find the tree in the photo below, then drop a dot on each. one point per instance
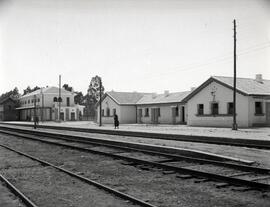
(79, 98)
(14, 94)
(29, 90)
(94, 88)
(67, 87)
(93, 96)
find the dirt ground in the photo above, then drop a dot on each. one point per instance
(150, 185)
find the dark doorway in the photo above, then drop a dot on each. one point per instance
(183, 114)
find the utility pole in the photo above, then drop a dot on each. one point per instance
(100, 105)
(35, 112)
(59, 98)
(42, 103)
(234, 126)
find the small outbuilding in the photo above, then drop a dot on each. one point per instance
(7, 109)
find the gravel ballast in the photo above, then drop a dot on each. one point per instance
(150, 185)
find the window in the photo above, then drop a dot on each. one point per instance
(258, 107)
(230, 108)
(68, 103)
(38, 100)
(25, 102)
(114, 111)
(200, 109)
(108, 112)
(55, 99)
(9, 107)
(214, 108)
(158, 112)
(28, 101)
(102, 112)
(146, 112)
(177, 111)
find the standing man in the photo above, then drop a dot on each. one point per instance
(116, 121)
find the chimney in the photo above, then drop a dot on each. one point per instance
(259, 78)
(192, 88)
(166, 93)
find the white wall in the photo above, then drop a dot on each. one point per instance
(127, 114)
(165, 113)
(111, 104)
(223, 95)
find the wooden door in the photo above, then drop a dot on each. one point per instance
(183, 114)
(154, 115)
(140, 116)
(267, 110)
(173, 115)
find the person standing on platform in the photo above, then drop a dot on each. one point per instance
(116, 121)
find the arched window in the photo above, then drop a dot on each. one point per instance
(55, 99)
(59, 99)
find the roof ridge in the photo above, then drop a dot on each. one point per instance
(238, 78)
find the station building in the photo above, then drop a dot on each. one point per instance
(147, 108)
(121, 103)
(167, 108)
(211, 104)
(47, 105)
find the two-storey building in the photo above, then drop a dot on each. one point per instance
(45, 103)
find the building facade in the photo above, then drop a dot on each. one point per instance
(146, 108)
(211, 104)
(166, 108)
(45, 103)
(121, 103)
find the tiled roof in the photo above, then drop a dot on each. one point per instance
(51, 89)
(162, 98)
(125, 97)
(247, 85)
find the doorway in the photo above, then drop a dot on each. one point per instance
(154, 115)
(267, 111)
(183, 114)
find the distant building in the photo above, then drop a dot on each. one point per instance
(134, 107)
(47, 105)
(211, 104)
(7, 109)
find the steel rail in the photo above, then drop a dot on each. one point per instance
(261, 144)
(17, 192)
(231, 180)
(84, 179)
(176, 157)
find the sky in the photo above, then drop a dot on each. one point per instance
(134, 45)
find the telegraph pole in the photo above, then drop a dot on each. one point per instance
(100, 105)
(35, 112)
(59, 98)
(234, 126)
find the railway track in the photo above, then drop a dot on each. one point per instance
(29, 203)
(223, 173)
(251, 143)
